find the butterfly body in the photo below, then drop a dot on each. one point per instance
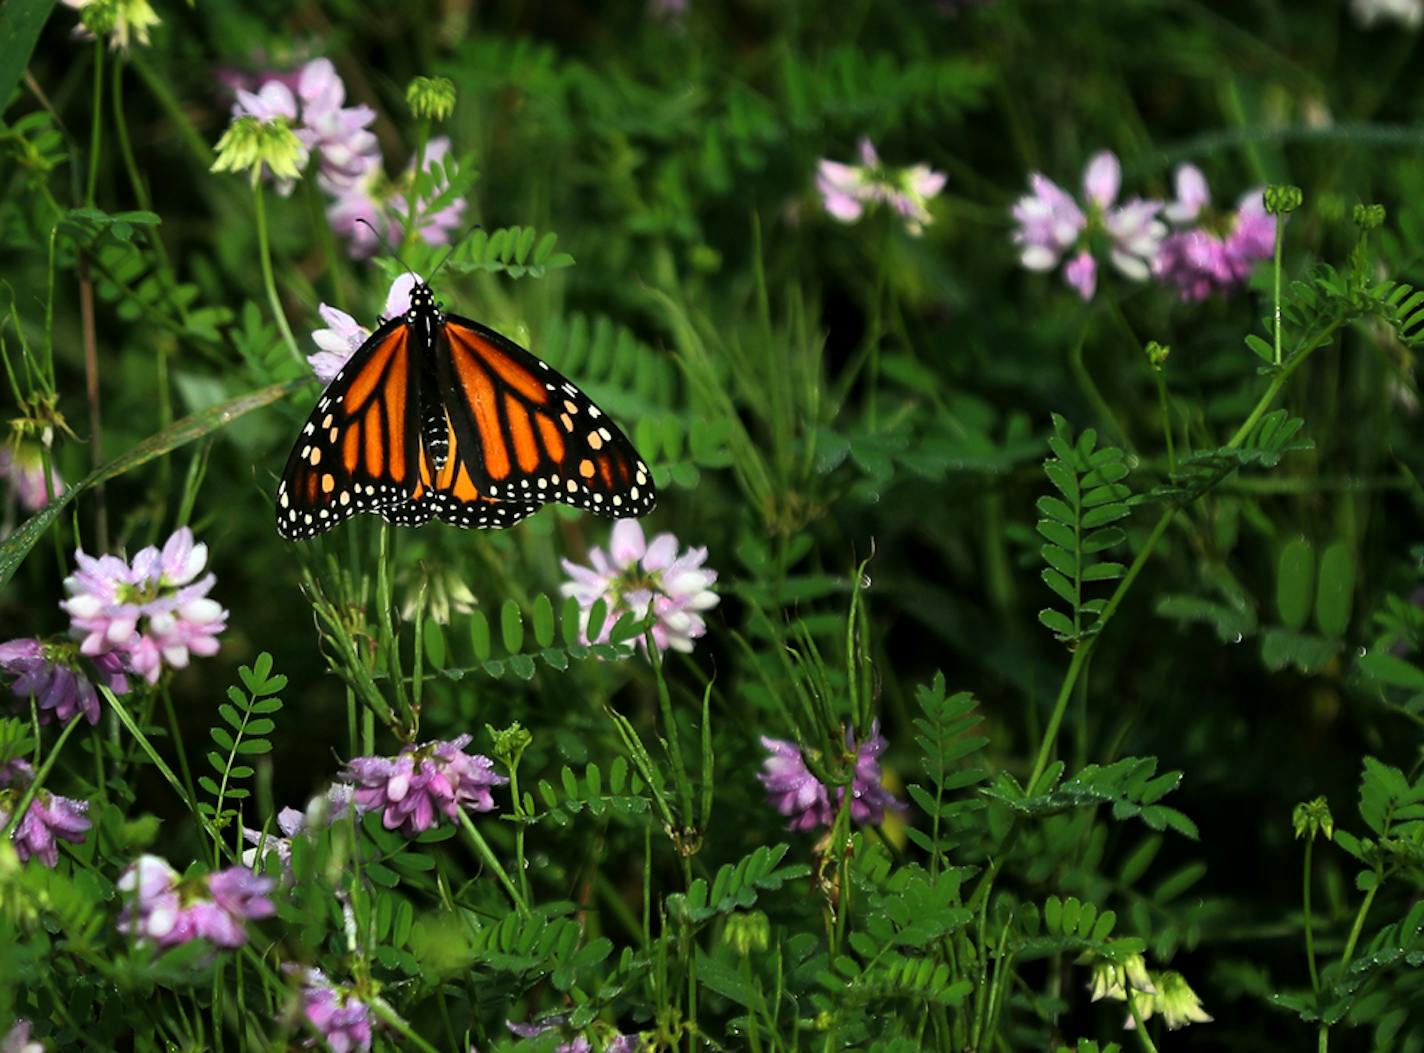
(437, 416)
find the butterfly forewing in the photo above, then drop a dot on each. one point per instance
(535, 435)
(359, 449)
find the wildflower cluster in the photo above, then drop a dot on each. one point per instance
(650, 579)
(848, 190)
(48, 819)
(1180, 243)
(796, 793)
(413, 790)
(150, 613)
(167, 910)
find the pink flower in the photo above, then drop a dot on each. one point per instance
(18, 1040)
(796, 793)
(339, 134)
(51, 674)
(413, 789)
(1082, 274)
(1217, 255)
(49, 818)
(646, 578)
(167, 910)
(341, 1018)
(343, 335)
(24, 467)
(151, 613)
(1050, 225)
(846, 190)
(791, 788)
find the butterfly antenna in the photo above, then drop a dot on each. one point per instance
(451, 251)
(380, 238)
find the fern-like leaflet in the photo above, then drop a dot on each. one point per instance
(1077, 526)
(945, 737)
(248, 718)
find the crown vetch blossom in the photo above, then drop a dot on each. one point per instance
(797, 794)
(339, 134)
(1216, 256)
(420, 784)
(51, 674)
(846, 190)
(18, 1040)
(168, 910)
(49, 818)
(24, 467)
(343, 335)
(1052, 225)
(151, 613)
(1173, 998)
(342, 1019)
(641, 576)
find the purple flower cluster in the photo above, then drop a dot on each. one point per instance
(52, 674)
(150, 613)
(646, 577)
(342, 1019)
(413, 789)
(848, 190)
(363, 205)
(1214, 255)
(797, 794)
(48, 820)
(161, 907)
(23, 466)
(1217, 255)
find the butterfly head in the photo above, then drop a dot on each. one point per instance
(422, 298)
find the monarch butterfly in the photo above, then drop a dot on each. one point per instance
(439, 417)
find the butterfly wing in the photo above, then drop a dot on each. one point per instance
(528, 434)
(360, 448)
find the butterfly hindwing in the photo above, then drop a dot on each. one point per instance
(534, 435)
(359, 449)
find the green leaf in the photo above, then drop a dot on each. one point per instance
(511, 625)
(20, 25)
(1295, 578)
(1336, 590)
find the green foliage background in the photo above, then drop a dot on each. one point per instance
(855, 423)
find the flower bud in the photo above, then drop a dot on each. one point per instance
(748, 931)
(510, 743)
(432, 97)
(1313, 817)
(1283, 198)
(1368, 217)
(1157, 354)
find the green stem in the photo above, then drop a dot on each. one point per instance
(96, 125)
(1349, 952)
(391, 1019)
(268, 279)
(1280, 241)
(1309, 933)
(1166, 421)
(1080, 656)
(484, 851)
(1140, 1027)
(38, 781)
